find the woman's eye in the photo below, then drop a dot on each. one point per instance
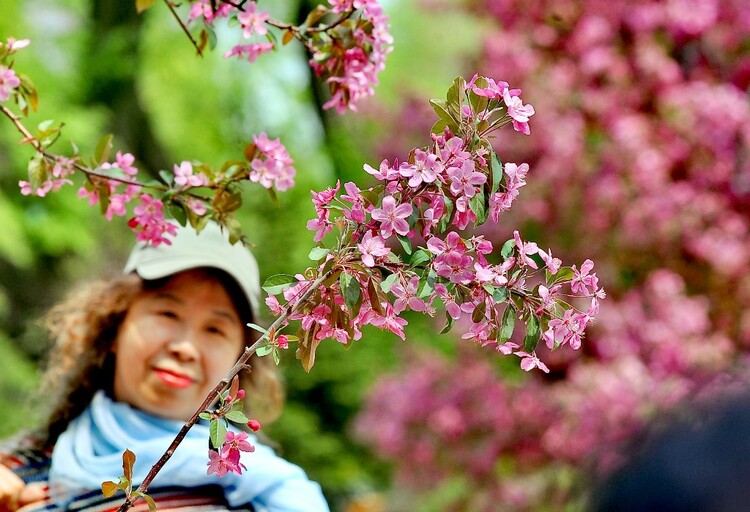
(167, 314)
(216, 330)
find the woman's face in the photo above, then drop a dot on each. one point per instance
(175, 344)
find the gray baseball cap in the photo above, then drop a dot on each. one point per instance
(188, 250)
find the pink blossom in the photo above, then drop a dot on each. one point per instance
(273, 304)
(273, 167)
(519, 112)
(205, 9)
(197, 206)
(479, 333)
(392, 218)
(455, 267)
(525, 250)
(386, 172)
(222, 463)
(406, 297)
(506, 348)
(390, 322)
(252, 21)
(251, 51)
(531, 361)
(149, 223)
(424, 170)
(552, 264)
(372, 246)
(353, 194)
(183, 176)
(451, 306)
(238, 442)
(583, 281)
(125, 163)
(465, 180)
(8, 81)
(14, 44)
(494, 90)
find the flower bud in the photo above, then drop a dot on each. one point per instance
(240, 394)
(254, 425)
(283, 341)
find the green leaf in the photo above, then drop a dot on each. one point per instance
(508, 323)
(449, 321)
(447, 217)
(500, 294)
(479, 311)
(564, 274)
(533, 332)
(478, 204)
(142, 5)
(103, 149)
(497, 173)
(350, 290)
(264, 350)
(37, 172)
(427, 285)
(217, 433)
(386, 283)
(276, 357)
(256, 327)
(277, 283)
(236, 416)
(507, 249)
(150, 501)
(456, 92)
(205, 416)
(405, 243)
(178, 213)
(211, 33)
(318, 253)
(109, 489)
(419, 257)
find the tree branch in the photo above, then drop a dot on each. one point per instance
(183, 27)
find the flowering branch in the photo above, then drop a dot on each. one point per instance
(347, 41)
(192, 192)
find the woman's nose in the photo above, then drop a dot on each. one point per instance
(183, 347)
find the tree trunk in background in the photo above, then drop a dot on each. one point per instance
(111, 70)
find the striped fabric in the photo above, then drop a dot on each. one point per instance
(33, 467)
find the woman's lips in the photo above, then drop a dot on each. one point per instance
(173, 379)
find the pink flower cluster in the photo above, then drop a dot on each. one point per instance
(348, 54)
(273, 167)
(441, 186)
(227, 459)
(56, 176)
(350, 63)
(8, 82)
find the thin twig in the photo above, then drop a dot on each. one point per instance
(39, 148)
(184, 27)
(213, 395)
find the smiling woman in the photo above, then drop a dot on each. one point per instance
(134, 357)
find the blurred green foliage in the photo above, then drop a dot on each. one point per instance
(100, 68)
